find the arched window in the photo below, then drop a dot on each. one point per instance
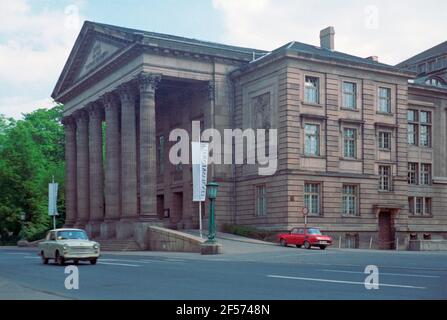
(435, 81)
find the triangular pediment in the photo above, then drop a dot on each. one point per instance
(95, 46)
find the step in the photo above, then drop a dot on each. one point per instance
(119, 245)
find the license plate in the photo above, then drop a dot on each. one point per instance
(323, 242)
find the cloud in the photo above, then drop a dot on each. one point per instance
(388, 29)
(34, 45)
(15, 106)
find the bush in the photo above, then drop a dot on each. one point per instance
(249, 232)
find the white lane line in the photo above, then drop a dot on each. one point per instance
(119, 264)
(384, 273)
(144, 261)
(344, 282)
(18, 253)
(32, 257)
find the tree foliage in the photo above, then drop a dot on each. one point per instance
(31, 152)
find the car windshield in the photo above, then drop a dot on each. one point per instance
(72, 234)
(313, 231)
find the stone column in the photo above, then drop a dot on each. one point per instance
(70, 171)
(96, 168)
(148, 148)
(82, 169)
(112, 166)
(128, 153)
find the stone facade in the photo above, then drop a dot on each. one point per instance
(132, 88)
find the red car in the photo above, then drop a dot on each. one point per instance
(310, 237)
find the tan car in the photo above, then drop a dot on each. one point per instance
(68, 245)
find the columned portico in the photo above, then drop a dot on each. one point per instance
(82, 169)
(70, 171)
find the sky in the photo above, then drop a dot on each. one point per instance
(36, 36)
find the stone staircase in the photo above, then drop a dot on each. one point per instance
(118, 245)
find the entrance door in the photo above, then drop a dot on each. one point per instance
(177, 208)
(386, 231)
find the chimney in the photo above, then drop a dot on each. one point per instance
(327, 38)
(373, 58)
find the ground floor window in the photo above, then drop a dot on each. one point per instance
(349, 200)
(261, 200)
(419, 206)
(312, 198)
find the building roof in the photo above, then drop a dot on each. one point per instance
(427, 54)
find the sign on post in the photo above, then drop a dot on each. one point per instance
(199, 175)
(52, 202)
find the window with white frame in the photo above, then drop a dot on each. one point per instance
(349, 200)
(412, 173)
(385, 178)
(312, 90)
(385, 140)
(425, 129)
(419, 206)
(425, 174)
(312, 139)
(312, 198)
(412, 128)
(419, 129)
(261, 200)
(350, 143)
(349, 95)
(384, 100)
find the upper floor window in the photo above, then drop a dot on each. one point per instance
(412, 173)
(384, 100)
(312, 140)
(419, 128)
(425, 174)
(350, 95)
(419, 205)
(312, 198)
(312, 90)
(349, 143)
(385, 140)
(349, 200)
(384, 178)
(261, 200)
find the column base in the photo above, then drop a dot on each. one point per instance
(125, 229)
(69, 224)
(80, 225)
(93, 229)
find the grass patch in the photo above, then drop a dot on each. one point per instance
(250, 232)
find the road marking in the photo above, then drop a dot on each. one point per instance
(120, 264)
(345, 282)
(146, 261)
(18, 253)
(32, 257)
(384, 273)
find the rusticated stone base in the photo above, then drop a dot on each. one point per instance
(108, 230)
(93, 229)
(125, 229)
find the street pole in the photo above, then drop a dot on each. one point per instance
(200, 219)
(212, 232)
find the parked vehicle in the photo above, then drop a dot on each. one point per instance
(68, 244)
(307, 238)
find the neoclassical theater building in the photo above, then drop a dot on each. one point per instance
(361, 144)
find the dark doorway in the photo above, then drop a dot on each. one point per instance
(177, 207)
(160, 206)
(386, 230)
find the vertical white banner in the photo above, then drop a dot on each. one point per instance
(52, 199)
(199, 170)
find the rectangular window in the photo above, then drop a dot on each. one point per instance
(412, 134)
(312, 90)
(312, 198)
(412, 115)
(412, 173)
(350, 95)
(419, 128)
(261, 200)
(349, 200)
(425, 136)
(312, 140)
(384, 100)
(161, 154)
(384, 178)
(419, 205)
(385, 140)
(411, 205)
(349, 143)
(427, 206)
(425, 174)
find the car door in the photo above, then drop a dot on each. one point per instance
(51, 245)
(293, 237)
(300, 237)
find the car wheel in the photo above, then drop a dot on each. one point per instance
(322, 247)
(60, 260)
(283, 242)
(44, 260)
(307, 245)
(298, 246)
(93, 261)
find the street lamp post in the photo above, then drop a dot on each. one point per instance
(22, 222)
(212, 194)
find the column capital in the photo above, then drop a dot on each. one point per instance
(109, 100)
(148, 82)
(94, 110)
(69, 122)
(126, 92)
(81, 116)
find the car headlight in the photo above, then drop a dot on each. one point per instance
(95, 246)
(65, 247)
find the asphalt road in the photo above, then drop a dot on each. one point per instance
(267, 272)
